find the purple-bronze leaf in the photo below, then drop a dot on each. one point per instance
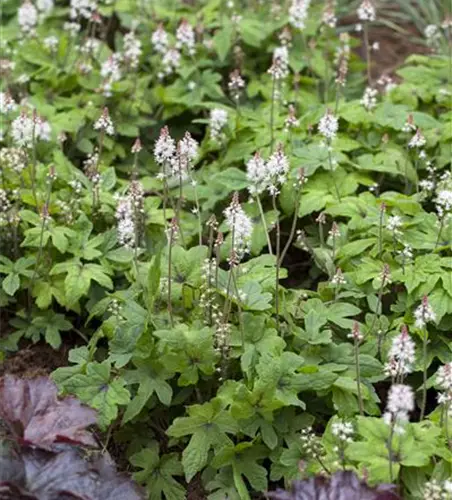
(342, 485)
(34, 414)
(73, 475)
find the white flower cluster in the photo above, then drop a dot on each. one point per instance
(176, 161)
(401, 356)
(240, 225)
(433, 35)
(342, 58)
(386, 83)
(409, 125)
(72, 28)
(186, 154)
(394, 224)
(338, 278)
(280, 63)
(90, 167)
(236, 85)
(443, 201)
(126, 225)
(328, 125)
(267, 175)
(355, 334)
(44, 6)
(310, 443)
(5, 205)
(170, 62)
(105, 123)
(328, 15)
(132, 50)
(129, 213)
(116, 309)
(291, 121)
(366, 11)
(400, 404)
(82, 8)
(7, 103)
(27, 17)
(343, 431)
(111, 72)
(185, 36)
(298, 13)
(23, 128)
(444, 381)
(160, 40)
(51, 43)
(437, 490)
(164, 148)
(90, 46)
(424, 314)
(418, 140)
(13, 158)
(218, 119)
(369, 98)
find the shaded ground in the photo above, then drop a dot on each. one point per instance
(34, 360)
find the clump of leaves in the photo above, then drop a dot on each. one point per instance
(42, 447)
(343, 485)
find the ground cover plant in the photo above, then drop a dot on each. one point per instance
(239, 225)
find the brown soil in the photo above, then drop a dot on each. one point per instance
(34, 360)
(394, 49)
(394, 46)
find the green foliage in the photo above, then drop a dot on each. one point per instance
(206, 360)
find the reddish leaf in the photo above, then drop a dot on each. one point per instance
(341, 486)
(69, 475)
(33, 413)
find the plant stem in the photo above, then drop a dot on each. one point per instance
(272, 114)
(324, 467)
(368, 61)
(198, 213)
(390, 438)
(33, 163)
(169, 305)
(446, 425)
(278, 263)
(380, 233)
(242, 331)
(441, 225)
(330, 162)
(293, 227)
(41, 238)
(264, 223)
(424, 374)
(358, 378)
